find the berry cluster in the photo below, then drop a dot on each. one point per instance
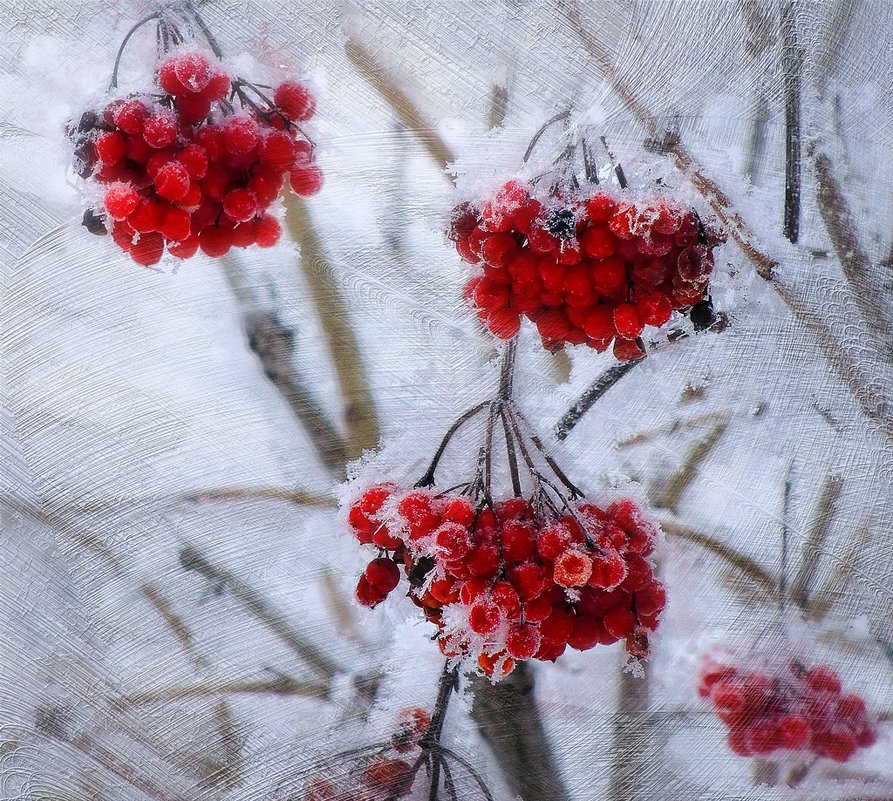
(795, 709)
(185, 169)
(512, 581)
(381, 777)
(591, 268)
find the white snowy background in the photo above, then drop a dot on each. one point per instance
(137, 422)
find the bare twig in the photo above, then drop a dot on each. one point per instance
(508, 720)
(792, 69)
(253, 601)
(741, 562)
(673, 489)
(839, 223)
(359, 414)
(801, 586)
(407, 112)
(588, 399)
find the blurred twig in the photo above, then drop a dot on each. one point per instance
(839, 223)
(359, 414)
(871, 399)
(278, 686)
(407, 112)
(254, 602)
(673, 489)
(741, 562)
(632, 734)
(274, 343)
(801, 586)
(836, 584)
(675, 427)
(509, 721)
(300, 497)
(499, 100)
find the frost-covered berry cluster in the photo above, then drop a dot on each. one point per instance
(198, 164)
(586, 266)
(513, 581)
(794, 709)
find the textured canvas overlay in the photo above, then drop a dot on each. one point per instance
(446, 400)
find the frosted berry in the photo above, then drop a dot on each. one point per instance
(295, 101)
(592, 270)
(121, 200)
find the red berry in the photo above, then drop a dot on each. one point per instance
(148, 250)
(306, 181)
(383, 574)
(655, 309)
(452, 539)
(192, 108)
(627, 321)
(172, 181)
(240, 135)
(130, 116)
(176, 224)
(484, 617)
(167, 78)
(608, 570)
(185, 249)
(195, 159)
(240, 205)
(267, 232)
(599, 243)
(121, 200)
(217, 87)
(194, 71)
(523, 641)
(110, 147)
(572, 568)
(294, 101)
(277, 150)
(793, 732)
(215, 241)
(160, 130)
(825, 680)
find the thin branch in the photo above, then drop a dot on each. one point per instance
(254, 602)
(802, 584)
(427, 479)
(741, 562)
(407, 112)
(588, 399)
(673, 489)
(360, 416)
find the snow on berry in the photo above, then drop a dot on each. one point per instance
(587, 266)
(787, 709)
(189, 168)
(515, 581)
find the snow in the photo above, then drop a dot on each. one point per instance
(125, 390)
